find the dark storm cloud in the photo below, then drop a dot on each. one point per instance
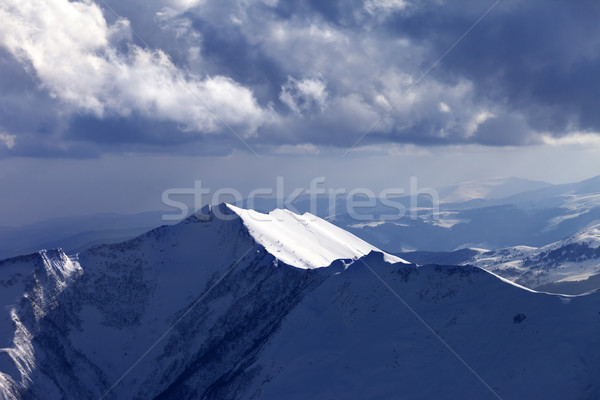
(26, 112)
(228, 52)
(540, 57)
(307, 72)
(136, 133)
(507, 130)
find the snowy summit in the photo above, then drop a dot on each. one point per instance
(305, 241)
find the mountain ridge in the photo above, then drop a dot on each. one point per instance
(201, 310)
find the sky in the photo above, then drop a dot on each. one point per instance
(105, 104)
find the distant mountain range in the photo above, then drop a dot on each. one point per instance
(75, 233)
(491, 214)
(510, 229)
(489, 189)
(232, 303)
(533, 218)
(569, 266)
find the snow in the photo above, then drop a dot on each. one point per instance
(589, 236)
(573, 259)
(554, 222)
(373, 224)
(283, 332)
(305, 241)
(448, 223)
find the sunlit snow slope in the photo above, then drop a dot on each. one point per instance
(304, 241)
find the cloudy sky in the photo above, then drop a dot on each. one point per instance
(105, 104)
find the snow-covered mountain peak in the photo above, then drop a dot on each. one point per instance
(568, 266)
(304, 241)
(589, 236)
(236, 325)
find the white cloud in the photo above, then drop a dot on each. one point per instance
(184, 5)
(385, 6)
(444, 107)
(340, 80)
(7, 140)
(304, 96)
(73, 52)
(476, 120)
(573, 139)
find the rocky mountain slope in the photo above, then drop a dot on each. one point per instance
(233, 304)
